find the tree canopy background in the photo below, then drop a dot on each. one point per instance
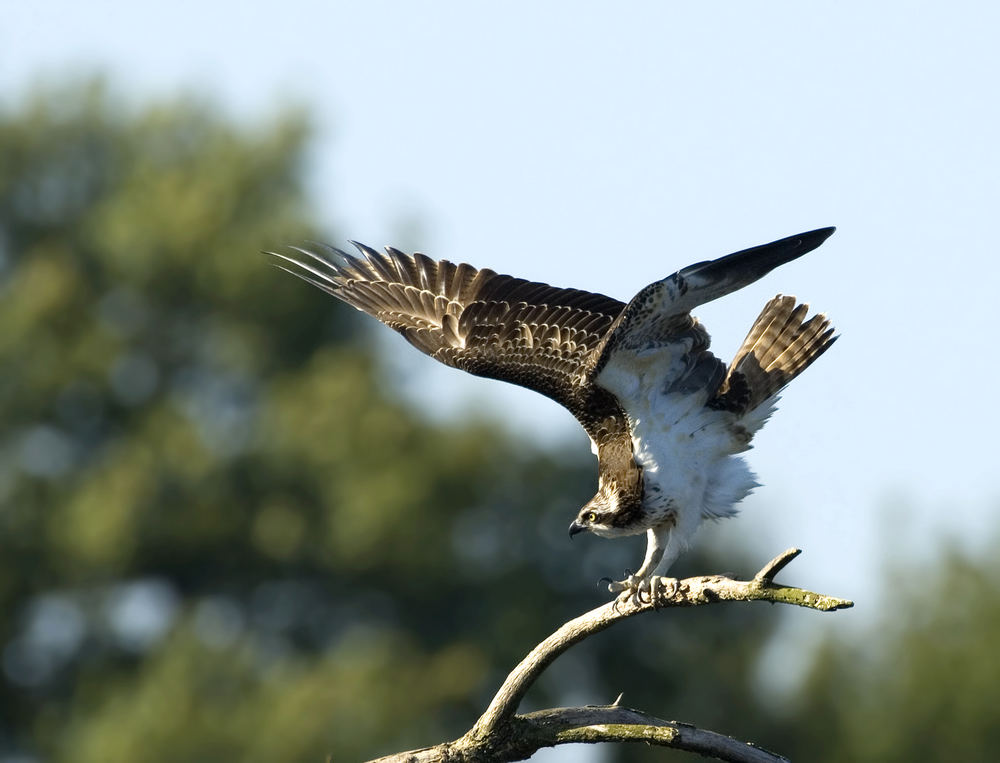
(224, 537)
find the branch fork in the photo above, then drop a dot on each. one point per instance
(501, 734)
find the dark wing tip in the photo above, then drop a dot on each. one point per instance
(791, 247)
(757, 261)
(812, 239)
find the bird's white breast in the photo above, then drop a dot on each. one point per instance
(686, 450)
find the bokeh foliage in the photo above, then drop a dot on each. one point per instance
(223, 537)
(922, 683)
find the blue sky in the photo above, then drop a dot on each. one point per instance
(603, 148)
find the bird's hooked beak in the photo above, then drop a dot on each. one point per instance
(575, 527)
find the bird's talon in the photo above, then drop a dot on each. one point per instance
(654, 590)
(621, 586)
(631, 590)
(662, 589)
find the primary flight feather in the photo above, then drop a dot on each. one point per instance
(666, 418)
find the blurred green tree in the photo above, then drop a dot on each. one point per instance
(921, 683)
(221, 537)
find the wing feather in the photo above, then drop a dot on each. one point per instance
(542, 337)
(658, 319)
(587, 351)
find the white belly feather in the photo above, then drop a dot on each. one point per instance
(686, 451)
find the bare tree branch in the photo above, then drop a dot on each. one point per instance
(501, 735)
(620, 724)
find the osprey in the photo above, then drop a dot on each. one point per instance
(665, 417)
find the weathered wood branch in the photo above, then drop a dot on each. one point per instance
(502, 735)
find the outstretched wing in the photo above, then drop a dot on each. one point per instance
(657, 329)
(531, 334)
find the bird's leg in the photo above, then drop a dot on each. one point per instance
(661, 587)
(643, 585)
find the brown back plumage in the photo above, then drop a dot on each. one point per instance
(781, 345)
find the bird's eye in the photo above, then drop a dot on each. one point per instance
(591, 517)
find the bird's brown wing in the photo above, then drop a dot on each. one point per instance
(531, 334)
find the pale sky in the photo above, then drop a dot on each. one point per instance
(604, 146)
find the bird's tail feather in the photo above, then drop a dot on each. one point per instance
(781, 345)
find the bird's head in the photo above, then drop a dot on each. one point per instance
(599, 515)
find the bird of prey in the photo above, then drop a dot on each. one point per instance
(667, 420)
